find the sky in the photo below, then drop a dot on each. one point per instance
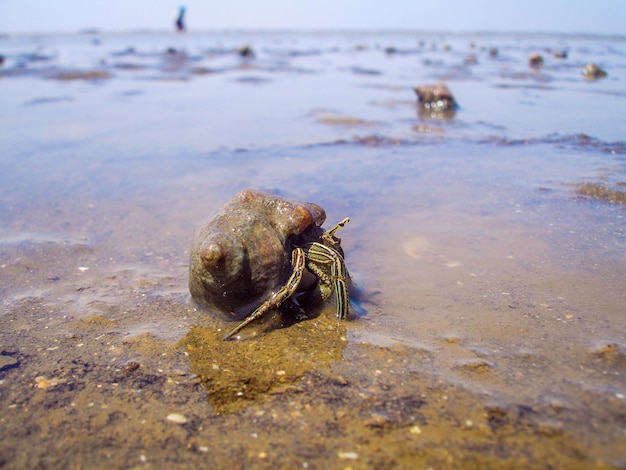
(551, 16)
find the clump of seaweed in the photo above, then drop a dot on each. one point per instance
(603, 193)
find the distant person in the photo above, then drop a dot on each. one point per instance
(180, 21)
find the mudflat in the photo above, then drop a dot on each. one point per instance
(487, 244)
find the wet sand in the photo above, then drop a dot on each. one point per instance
(489, 249)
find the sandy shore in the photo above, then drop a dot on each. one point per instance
(488, 245)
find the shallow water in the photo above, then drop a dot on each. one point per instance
(467, 237)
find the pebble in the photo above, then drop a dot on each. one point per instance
(177, 418)
(535, 60)
(44, 383)
(593, 72)
(348, 455)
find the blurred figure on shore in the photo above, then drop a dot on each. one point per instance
(180, 21)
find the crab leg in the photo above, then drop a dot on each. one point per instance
(297, 261)
(328, 237)
(341, 224)
(319, 255)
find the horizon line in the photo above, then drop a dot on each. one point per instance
(349, 30)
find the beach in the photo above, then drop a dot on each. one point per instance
(487, 246)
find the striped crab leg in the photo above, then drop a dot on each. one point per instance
(298, 262)
(328, 235)
(318, 256)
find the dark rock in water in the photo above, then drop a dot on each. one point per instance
(593, 72)
(246, 52)
(493, 52)
(535, 60)
(437, 97)
(560, 54)
(1, 60)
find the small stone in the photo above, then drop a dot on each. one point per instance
(44, 383)
(593, 72)
(177, 418)
(376, 421)
(348, 455)
(535, 60)
(436, 97)
(415, 430)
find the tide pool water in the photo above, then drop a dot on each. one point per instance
(488, 245)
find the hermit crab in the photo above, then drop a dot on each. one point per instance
(261, 252)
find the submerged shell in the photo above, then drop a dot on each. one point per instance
(435, 97)
(243, 252)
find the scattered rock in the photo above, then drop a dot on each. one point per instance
(177, 418)
(415, 430)
(535, 60)
(376, 421)
(435, 96)
(593, 72)
(246, 52)
(348, 455)
(44, 383)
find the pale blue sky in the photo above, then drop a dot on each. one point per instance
(565, 16)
